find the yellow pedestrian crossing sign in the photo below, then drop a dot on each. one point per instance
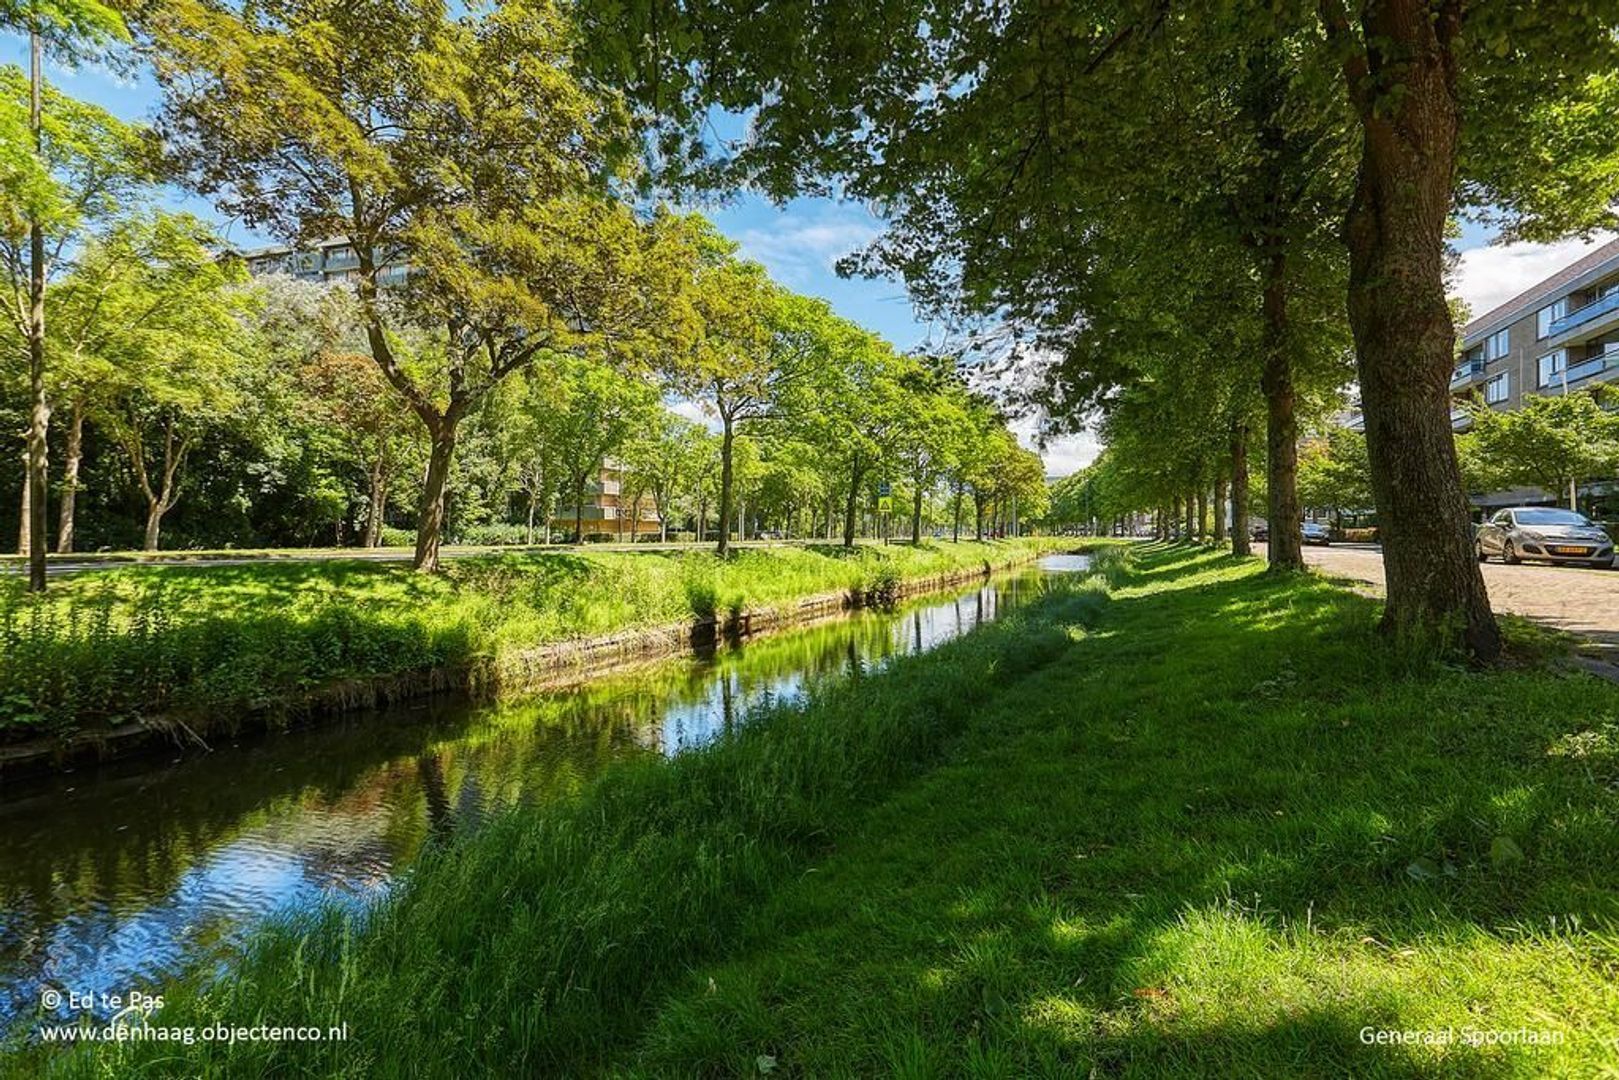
(885, 504)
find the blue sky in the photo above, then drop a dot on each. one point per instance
(800, 243)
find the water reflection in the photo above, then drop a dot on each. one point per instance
(114, 877)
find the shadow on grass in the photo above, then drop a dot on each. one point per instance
(1230, 831)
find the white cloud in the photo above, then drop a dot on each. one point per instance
(1492, 274)
(1062, 456)
(804, 247)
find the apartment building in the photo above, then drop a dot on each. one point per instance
(328, 260)
(1559, 336)
(606, 515)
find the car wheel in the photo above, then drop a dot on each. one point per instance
(1509, 554)
(1602, 564)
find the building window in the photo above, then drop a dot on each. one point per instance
(1552, 366)
(1497, 344)
(1548, 315)
(1495, 389)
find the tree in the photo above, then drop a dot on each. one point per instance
(1551, 442)
(929, 435)
(347, 391)
(142, 283)
(1335, 472)
(757, 342)
(594, 411)
(467, 149)
(170, 379)
(534, 431)
(665, 453)
(67, 164)
(858, 404)
(1413, 70)
(985, 97)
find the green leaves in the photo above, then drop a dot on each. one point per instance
(73, 30)
(1505, 852)
(90, 165)
(1547, 441)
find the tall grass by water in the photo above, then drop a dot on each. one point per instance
(544, 936)
(101, 649)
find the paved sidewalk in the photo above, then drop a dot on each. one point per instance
(1581, 601)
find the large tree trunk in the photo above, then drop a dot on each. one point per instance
(71, 461)
(726, 439)
(1202, 512)
(1404, 337)
(1286, 544)
(1240, 540)
(430, 510)
(1219, 509)
(39, 412)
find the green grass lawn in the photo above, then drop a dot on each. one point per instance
(201, 639)
(1223, 835)
(1205, 823)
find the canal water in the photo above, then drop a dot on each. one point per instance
(115, 877)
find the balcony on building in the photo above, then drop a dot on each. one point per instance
(1460, 418)
(1591, 311)
(1468, 371)
(1568, 367)
(341, 258)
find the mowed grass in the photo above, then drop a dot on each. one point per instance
(1205, 823)
(109, 646)
(1222, 836)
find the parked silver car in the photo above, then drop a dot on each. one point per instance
(1544, 532)
(1317, 533)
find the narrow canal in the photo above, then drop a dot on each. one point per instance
(115, 877)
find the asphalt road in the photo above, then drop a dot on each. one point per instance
(1576, 599)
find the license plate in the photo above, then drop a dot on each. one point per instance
(1571, 551)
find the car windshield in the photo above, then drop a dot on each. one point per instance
(1550, 517)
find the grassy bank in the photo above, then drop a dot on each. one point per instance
(105, 648)
(546, 936)
(1205, 824)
